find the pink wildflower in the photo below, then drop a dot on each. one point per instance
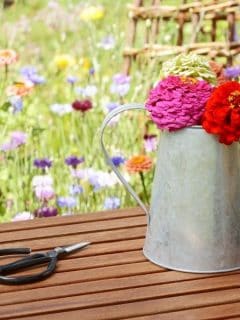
(178, 102)
(17, 138)
(44, 193)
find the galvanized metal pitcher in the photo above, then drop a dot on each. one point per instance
(194, 218)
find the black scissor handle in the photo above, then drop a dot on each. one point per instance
(4, 252)
(29, 261)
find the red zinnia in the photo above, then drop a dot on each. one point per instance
(222, 112)
(83, 105)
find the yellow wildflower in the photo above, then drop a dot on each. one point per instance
(92, 13)
(63, 61)
(85, 64)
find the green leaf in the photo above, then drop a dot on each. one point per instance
(5, 106)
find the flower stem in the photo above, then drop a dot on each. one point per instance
(144, 187)
(6, 71)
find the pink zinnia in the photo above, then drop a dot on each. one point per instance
(178, 102)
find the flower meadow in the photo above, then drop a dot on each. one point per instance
(60, 74)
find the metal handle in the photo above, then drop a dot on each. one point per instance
(109, 117)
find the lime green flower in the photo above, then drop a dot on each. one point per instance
(189, 65)
(92, 13)
(63, 61)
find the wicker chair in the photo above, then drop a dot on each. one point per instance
(204, 27)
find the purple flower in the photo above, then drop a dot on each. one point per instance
(232, 72)
(37, 79)
(69, 202)
(107, 43)
(16, 103)
(91, 71)
(111, 203)
(74, 161)
(97, 178)
(29, 73)
(45, 212)
(118, 160)
(121, 78)
(17, 138)
(150, 142)
(75, 189)
(112, 105)
(120, 85)
(72, 79)
(42, 163)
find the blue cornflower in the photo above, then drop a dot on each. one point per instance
(112, 105)
(42, 163)
(74, 161)
(16, 103)
(91, 71)
(111, 203)
(107, 43)
(120, 84)
(118, 160)
(30, 73)
(232, 72)
(75, 189)
(69, 202)
(72, 79)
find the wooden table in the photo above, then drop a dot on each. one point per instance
(110, 279)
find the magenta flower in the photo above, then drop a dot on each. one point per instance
(178, 102)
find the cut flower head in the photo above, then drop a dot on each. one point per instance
(222, 112)
(195, 91)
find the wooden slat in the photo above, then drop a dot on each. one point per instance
(117, 303)
(70, 264)
(219, 312)
(97, 286)
(59, 240)
(83, 218)
(77, 228)
(64, 278)
(98, 249)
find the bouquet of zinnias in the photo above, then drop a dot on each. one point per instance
(195, 91)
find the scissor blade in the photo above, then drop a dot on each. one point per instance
(75, 247)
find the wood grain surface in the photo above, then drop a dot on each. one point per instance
(110, 279)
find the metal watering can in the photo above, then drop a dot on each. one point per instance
(194, 217)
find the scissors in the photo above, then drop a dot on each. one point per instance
(31, 260)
